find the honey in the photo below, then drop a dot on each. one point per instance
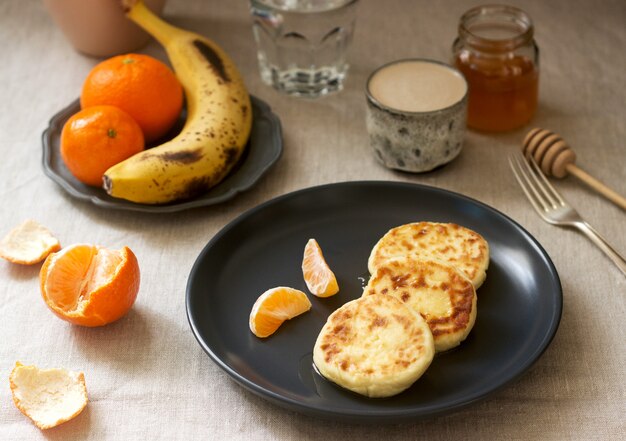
(496, 53)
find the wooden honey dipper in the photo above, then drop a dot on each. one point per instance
(556, 159)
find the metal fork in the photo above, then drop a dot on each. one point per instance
(552, 208)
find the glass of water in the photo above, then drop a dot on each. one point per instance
(302, 44)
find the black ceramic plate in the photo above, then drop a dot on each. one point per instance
(519, 305)
(264, 148)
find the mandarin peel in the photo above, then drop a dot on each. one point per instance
(28, 243)
(48, 397)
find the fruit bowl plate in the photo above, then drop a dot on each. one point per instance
(264, 148)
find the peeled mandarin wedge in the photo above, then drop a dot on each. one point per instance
(318, 276)
(275, 306)
(48, 397)
(28, 243)
(90, 285)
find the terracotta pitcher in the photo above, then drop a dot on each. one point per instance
(99, 27)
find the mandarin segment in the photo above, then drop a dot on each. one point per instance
(275, 306)
(48, 397)
(28, 243)
(90, 285)
(319, 278)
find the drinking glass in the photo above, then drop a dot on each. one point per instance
(302, 45)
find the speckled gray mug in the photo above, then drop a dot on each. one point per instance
(416, 136)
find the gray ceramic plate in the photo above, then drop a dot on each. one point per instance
(519, 305)
(264, 149)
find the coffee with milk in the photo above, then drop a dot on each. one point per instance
(417, 86)
(416, 114)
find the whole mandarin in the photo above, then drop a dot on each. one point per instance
(142, 86)
(95, 139)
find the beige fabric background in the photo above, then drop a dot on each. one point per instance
(146, 375)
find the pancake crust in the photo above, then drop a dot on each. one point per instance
(374, 346)
(437, 291)
(461, 247)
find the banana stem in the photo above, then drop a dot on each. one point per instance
(164, 32)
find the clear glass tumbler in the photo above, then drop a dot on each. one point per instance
(303, 44)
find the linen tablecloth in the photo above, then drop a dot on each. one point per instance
(148, 378)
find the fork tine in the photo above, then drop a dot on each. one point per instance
(530, 183)
(554, 193)
(534, 198)
(536, 184)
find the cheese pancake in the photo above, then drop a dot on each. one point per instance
(459, 246)
(374, 346)
(440, 293)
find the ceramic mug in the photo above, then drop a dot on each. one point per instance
(416, 114)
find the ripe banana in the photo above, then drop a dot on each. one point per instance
(219, 120)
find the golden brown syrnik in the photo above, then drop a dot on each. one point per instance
(437, 291)
(219, 120)
(374, 346)
(458, 246)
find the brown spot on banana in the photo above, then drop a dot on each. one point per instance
(231, 153)
(199, 185)
(180, 156)
(213, 58)
(194, 188)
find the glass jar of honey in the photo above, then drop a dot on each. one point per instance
(496, 52)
